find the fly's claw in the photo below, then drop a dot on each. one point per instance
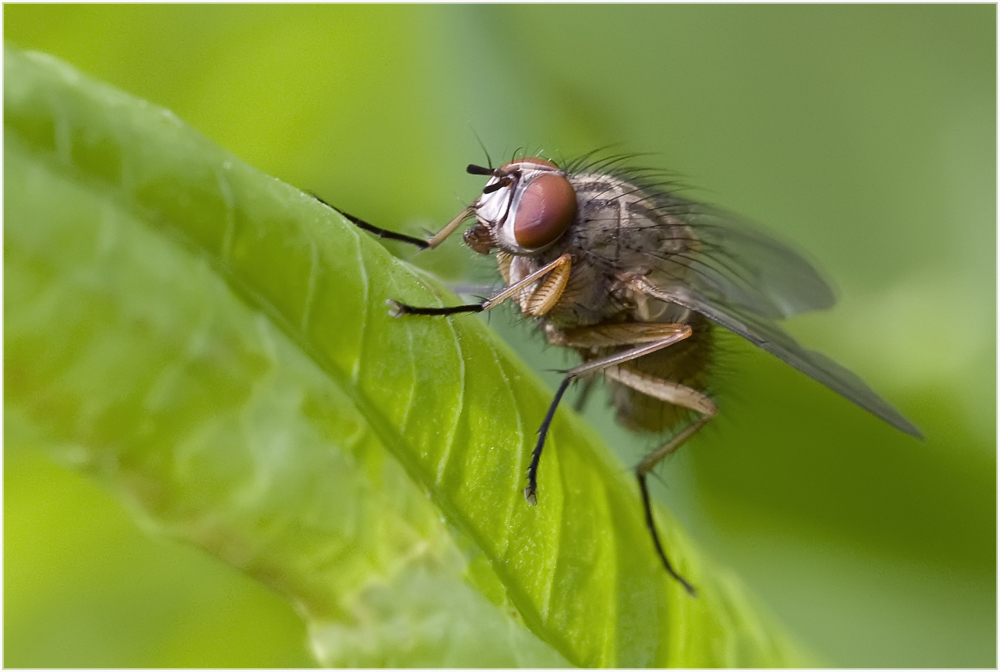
(396, 309)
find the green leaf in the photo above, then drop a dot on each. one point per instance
(214, 345)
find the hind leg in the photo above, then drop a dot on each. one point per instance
(679, 395)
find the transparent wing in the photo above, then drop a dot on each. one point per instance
(767, 335)
(738, 256)
(735, 263)
(706, 260)
(634, 220)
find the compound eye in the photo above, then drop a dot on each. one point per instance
(546, 209)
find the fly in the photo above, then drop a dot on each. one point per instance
(635, 279)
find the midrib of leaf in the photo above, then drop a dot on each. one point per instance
(578, 569)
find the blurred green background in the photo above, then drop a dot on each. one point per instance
(864, 134)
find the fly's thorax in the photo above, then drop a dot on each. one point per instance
(632, 228)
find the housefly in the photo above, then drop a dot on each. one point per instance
(636, 279)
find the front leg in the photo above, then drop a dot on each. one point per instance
(540, 302)
(422, 243)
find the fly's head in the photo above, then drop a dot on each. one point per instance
(526, 206)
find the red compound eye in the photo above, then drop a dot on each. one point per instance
(545, 211)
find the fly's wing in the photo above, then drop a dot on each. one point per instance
(767, 335)
(733, 263)
(703, 259)
(740, 255)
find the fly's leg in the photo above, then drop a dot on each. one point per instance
(643, 469)
(652, 337)
(672, 393)
(680, 395)
(422, 243)
(603, 336)
(538, 303)
(609, 335)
